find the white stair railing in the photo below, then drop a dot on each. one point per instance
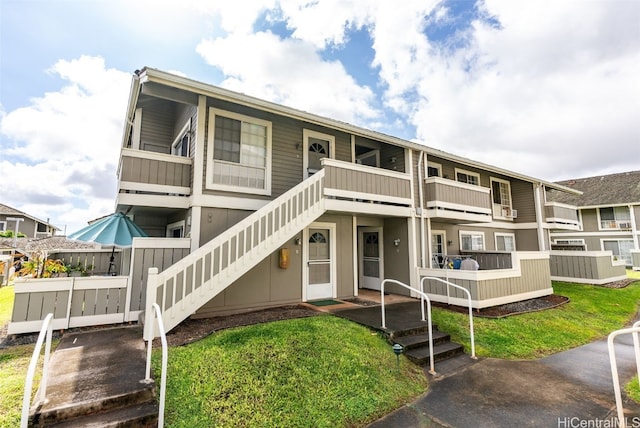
(165, 354)
(423, 298)
(622, 423)
(45, 331)
(187, 285)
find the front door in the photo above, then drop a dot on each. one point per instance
(316, 147)
(320, 263)
(370, 256)
(438, 249)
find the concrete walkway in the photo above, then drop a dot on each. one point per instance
(568, 389)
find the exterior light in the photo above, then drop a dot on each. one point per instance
(398, 349)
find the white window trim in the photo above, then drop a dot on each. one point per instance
(185, 130)
(435, 165)
(176, 225)
(511, 235)
(614, 214)
(471, 233)
(308, 133)
(210, 147)
(508, 183)
(464, 171)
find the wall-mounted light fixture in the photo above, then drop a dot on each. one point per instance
(396, 242)
(449, 242)
(298, 241)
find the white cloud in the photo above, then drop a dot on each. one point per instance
(65, 145)
(289, 72)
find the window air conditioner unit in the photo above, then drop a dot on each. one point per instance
(624, 225)
(509, 213)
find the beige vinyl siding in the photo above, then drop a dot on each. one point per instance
(396, 259)
(157, 126)
(527, 239)
(590, 220)
(523, 200)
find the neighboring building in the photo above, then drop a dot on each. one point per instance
(282, 206)
(609, 213)
(30, 226)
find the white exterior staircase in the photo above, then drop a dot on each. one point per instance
(187, 285)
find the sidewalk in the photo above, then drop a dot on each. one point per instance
(567, 389)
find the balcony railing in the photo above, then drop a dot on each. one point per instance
(615, 224)
(562, 216)
(358, 188)
(459, 201)
(154, 172)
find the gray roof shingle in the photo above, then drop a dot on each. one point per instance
(613, 189)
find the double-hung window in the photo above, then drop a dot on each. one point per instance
(180, 146)
(471, 241)
(239, 150)
(501, 196)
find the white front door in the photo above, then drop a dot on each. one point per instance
(371, 272)
(316, 147)
(320, 270)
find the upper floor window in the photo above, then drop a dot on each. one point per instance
(615, 218)
(241, 148)
(467, 177)
(501, 197)
(471, 241)
(434, 169)
(180, 146)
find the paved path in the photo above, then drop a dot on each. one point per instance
(568, 389)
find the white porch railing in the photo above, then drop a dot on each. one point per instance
(423, 298)
(614, 366)
(45, 331)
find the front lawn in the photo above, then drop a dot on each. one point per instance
(321, 371)
(592, 313)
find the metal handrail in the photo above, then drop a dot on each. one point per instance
(423, 297)
(163, 375)
(614, 366)
(45, 330)
(471, 330)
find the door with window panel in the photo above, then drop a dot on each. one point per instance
(320, 264)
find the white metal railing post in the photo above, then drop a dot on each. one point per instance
(152, 285)
(614, 366)
(45, 331)
(157, 316)
(423, 297)
(471, 328)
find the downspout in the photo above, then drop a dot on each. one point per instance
(541, 244)
(423, 256)
(634, 229)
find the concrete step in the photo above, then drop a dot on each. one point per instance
(422, 339)
(441, 351)
(142, 393)
(143, 415)
(414, 328)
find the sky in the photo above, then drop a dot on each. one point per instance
(546, 88)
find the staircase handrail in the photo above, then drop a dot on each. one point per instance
(471, 329)
(292, 209)
(45, 331)
(634, 330)
(423, 298)
(165, 357)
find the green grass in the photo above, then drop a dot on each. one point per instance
(592, 313)
(313, 372)
(6, 304)
(14, 362)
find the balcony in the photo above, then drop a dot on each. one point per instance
(355, 188)
(561, 216)
(451, 200)
(153, 179)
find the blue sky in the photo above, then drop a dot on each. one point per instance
(545, 88)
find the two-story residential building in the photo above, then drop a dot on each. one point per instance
(32, 227)
(609, 213)
(282, 206)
